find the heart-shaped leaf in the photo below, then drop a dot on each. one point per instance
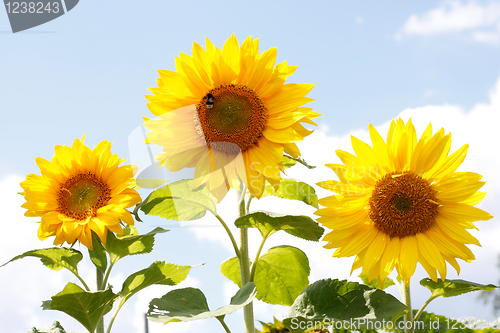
(280, 276)
(450, 288)
(180, 201)
(157, 273)
(98, 254)
(84, 306)
(55, 258)
(293, 190)
(130, 243)
(189, 304)
(268, 223)
(328, 301)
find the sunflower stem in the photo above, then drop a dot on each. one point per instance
(99, 280)
(245, 262)
(422, 308)
(223, 324)
(233, 241)
(408, 316)
(248, 204)
(254, 264)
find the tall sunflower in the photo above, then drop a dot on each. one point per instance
(80, 191)
(401, 202)
(229, 114)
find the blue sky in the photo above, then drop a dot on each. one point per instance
(87, 73)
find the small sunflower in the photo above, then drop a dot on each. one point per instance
(229, 114)
(80, 191)
(401, 202)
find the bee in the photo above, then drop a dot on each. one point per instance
(209, 100)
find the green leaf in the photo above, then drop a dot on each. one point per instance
(301, 161)
(180, 201)
(330, 301)
(231, 269)
(268, 223)
(288, 162)
(374, 283)
(54, 328)
(98, 254)
(86, 307)
(130, 243)
(189, 304)
(55, 258)
(280, 276)
(294, 190)
(450, 288)
(157, 273)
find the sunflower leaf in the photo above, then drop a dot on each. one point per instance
(293, 190)
(157, 273)
(55, 258)
(98, 254)
(54, 328)
(130, 243)
(374, 283)
(301, 161)
(268, 223)
(288, 162)
(189, 304)
(280, 276)
(86, 307)
(450, 288)
(328, 301)
(180, 201)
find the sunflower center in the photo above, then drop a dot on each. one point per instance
(403, 205)
(82, 195)
(231, 118)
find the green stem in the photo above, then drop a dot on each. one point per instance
(233, 241)
(248, 204)
(105, 282)
(254, 265)
(114, 316)
(81, 280)
(407, 301)
(99, 278)
(224, 325)
(422, 308)
(245, 263)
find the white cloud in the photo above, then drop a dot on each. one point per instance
(481, 23)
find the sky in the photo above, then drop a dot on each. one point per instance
(87, 73)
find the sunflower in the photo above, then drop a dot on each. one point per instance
(79, 192)
(229, 114)
(401, 202)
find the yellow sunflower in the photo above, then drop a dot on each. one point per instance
(229, 114)
(401, 202)
(80, 191)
